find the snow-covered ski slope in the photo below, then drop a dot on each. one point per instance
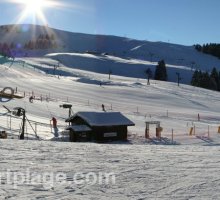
(187, 168)
(176, 107)
(123, 56)
(141, 171)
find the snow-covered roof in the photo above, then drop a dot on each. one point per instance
(103, 118)
(79, 128)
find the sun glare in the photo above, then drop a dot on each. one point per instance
(34, 8)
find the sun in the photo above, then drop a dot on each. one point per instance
(34, 8)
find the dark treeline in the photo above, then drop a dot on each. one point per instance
(5, 49)
(206, 80)
(212, 49)
(42, 42)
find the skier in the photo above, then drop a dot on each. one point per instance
(31, 99)
(54, 120)
(54, 125)
(103, 108)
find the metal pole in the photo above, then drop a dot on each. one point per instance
(178, 78)
(172, 136)
(148, 80)
(10, 122)
(194, 130)
(23, 126)
(7, 122)
(69, 112)
(208, 131)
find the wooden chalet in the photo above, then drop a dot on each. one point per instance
(98, 126)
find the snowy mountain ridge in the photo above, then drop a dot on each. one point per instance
(102, 53)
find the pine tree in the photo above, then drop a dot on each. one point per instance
(218, 82)
(196, 79)
(161, 72)
(212, 48)
(204, 80)
(215, 76)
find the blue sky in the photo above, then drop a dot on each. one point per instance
(177, 21)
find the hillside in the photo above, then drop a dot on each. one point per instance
(177, 166)
(99, 53)
(176, 107)
(140, 169)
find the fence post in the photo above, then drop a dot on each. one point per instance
(7, 122)
(10, 122)
(172, 136)
(208, 131)
(194, 130)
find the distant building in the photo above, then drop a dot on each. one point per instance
(98, 126)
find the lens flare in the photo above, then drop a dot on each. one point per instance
(35, 8)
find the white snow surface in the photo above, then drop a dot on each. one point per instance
(186, 167)
(154, 169)
(141, 171)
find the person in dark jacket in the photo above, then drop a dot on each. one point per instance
(54, 125)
